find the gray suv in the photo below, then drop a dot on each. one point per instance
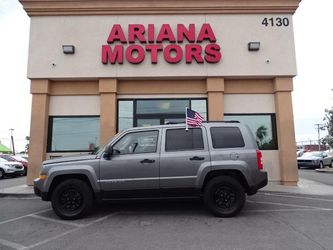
(218, 161)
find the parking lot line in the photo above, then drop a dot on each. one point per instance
(290, 205)
(24, 216)
(297, 197)
(56, 220)
(12, 244)
(284, 210)
(70, 231)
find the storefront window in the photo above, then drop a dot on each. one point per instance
(147, 112)
(263, 127)
(125, 115)
(200, 106)
(73, 134)
(161, 106)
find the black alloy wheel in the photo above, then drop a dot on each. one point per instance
(224, 196)
(72, 199)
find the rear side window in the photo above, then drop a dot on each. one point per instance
(226, 137)
(180, 139)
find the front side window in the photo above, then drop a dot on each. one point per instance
(137, 143)
(180, 139)
(73, 134)
(263, 127)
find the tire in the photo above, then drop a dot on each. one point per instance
(224, 196)
(25, 171)
(2, 174)
(72, 199)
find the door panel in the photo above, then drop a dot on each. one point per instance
(135, 164)
(179, 167)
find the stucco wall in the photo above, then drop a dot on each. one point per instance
(89, 33)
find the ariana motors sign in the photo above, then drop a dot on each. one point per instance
(147, 42)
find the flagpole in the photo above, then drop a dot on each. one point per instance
(186, 126)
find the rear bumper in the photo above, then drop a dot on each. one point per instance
(263, 180)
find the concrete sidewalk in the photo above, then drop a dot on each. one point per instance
(304, 187)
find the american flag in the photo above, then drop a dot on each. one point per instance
(193, 118)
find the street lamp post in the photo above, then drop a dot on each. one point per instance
(12, 139)
(319, 127)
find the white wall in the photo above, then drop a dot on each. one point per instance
(74, 105)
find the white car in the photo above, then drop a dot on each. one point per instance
(10, 168)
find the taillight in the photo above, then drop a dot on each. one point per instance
(259, 160)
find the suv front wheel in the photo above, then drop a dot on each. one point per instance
(224, 196)
(72, 199)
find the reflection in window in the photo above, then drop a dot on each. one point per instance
(125, 115)
(200, 106)
(73, 134)
(262, 126)
(161, 106)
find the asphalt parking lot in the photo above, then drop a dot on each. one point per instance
(270, 220)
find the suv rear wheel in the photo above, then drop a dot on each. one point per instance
(72, 199)
(224, 196)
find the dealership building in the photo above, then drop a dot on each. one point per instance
(98, 67)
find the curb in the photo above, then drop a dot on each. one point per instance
(324, 170)
(17, 195)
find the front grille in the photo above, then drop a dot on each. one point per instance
(18, 167)
(300, 161)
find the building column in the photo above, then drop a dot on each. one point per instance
(283, 86)
(108, 109)
(215, 92)
(38, 127)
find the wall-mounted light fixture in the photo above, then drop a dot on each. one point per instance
(253, 46)
(68, 49)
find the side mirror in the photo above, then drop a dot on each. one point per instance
(108, 152)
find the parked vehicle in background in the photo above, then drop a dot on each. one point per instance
(299, 153)
(16, 158)
(218, 161)
(315, 159)
(10, 168)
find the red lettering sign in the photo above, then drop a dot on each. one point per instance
(138, 35)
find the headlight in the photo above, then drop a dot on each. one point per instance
(42, 176)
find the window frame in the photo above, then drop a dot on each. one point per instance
(273, 121)
(50, 132)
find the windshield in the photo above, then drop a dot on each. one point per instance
(316, 154)
(2, 160)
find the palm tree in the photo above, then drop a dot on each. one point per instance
(261, 133)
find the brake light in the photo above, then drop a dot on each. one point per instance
(259, 160)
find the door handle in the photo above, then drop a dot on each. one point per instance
(147, 161)
(197, 158)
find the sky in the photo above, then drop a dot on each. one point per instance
(313, 85)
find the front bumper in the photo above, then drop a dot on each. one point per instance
(38, 189)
